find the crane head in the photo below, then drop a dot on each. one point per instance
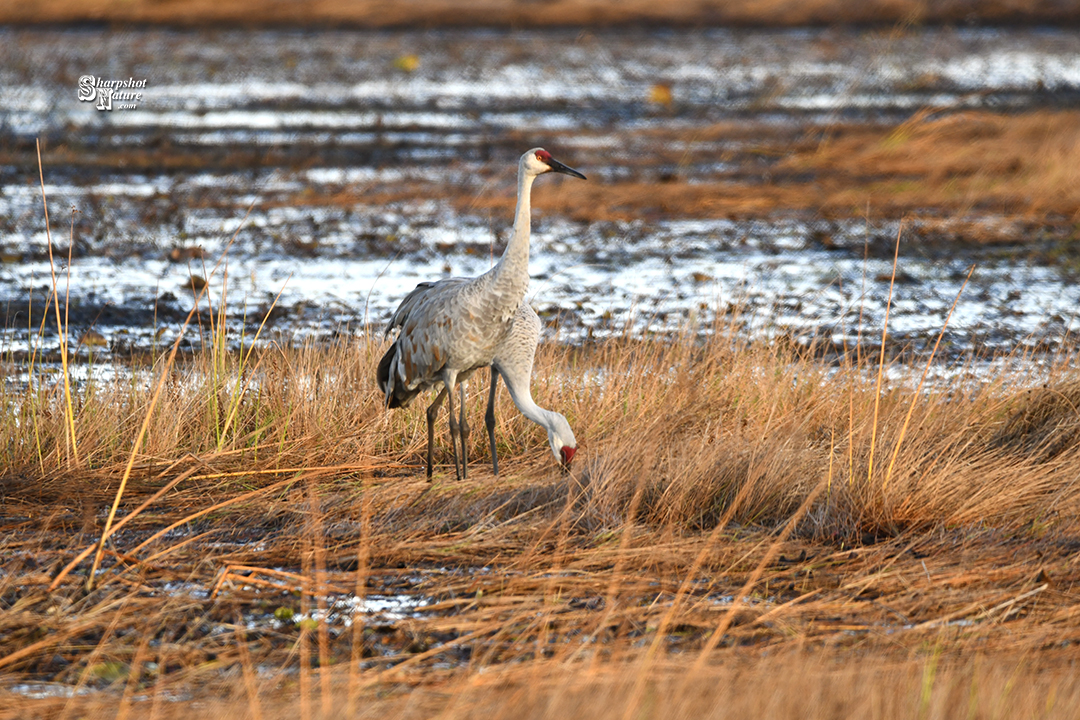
(561, 438)
(540, 161)
(567, 453)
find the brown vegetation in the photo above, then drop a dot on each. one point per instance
(380, 13)
(894, 532)
(1027, 164)
(791, 685)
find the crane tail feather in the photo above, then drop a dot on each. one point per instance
(395, 394)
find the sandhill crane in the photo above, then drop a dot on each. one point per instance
(514, 361)
(454, 326)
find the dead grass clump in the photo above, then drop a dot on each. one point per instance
(689, 436)
(1025, 163)
(686, 432)
(1043, 423)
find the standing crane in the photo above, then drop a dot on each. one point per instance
(453, 327)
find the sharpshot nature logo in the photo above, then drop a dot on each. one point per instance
(121, 94)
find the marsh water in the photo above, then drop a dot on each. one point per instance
(268, 142)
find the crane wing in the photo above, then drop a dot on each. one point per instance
(419, 297)
(412, 362)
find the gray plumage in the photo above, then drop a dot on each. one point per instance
(514, 362)
(450, 328)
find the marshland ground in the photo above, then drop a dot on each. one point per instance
(813, 481)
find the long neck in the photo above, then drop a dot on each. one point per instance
(513, 267)
(522, 397)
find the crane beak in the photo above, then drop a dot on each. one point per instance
(558, 167)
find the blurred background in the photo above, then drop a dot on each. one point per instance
(750, 157)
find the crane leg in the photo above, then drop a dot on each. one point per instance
(455, 433)
(432, 414)
(464, 434)
(489, 419)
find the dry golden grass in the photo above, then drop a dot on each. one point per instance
(1026, 164)
(792, 685)
(379, 13)
(688, 425)
(707, 467)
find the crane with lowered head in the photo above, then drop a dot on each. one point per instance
(514, 362)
